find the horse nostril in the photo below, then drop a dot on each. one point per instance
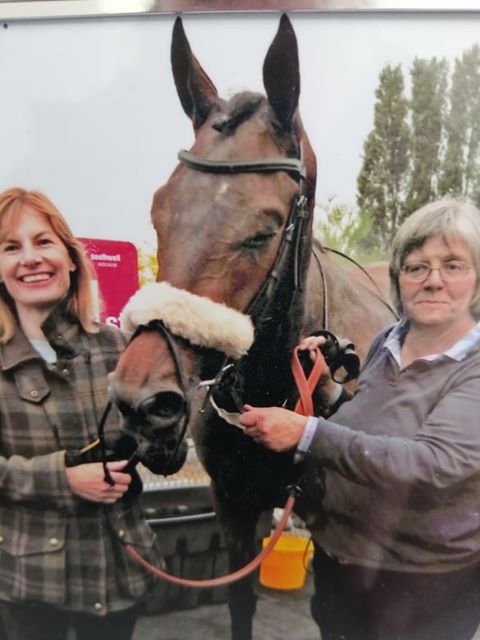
(125, 408)
(164, 406)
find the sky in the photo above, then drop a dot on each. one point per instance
(90, 113)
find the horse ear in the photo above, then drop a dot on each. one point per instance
(196, 91)
(281, 76)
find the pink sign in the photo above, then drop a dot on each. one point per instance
(116, 268)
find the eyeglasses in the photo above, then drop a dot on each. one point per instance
(450, 271)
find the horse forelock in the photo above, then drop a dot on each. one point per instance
(241, 107)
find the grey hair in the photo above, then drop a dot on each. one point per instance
(450, 219)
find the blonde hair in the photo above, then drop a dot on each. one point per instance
(80, 298)
(450, 219)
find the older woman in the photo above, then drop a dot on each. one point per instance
(397, 531)
(62, 564)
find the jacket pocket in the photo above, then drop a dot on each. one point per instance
(32, 555)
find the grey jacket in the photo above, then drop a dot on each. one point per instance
(401, 466)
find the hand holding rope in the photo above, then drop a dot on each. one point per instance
(304, 406)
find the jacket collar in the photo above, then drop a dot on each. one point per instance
(62, 331)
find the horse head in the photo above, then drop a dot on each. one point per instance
(233, 225)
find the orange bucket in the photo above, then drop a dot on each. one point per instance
(285, 567)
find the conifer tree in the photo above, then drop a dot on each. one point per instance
(382, 179)
(461, 165)
(427, 104)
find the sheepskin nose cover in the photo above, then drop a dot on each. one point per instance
(197, 319)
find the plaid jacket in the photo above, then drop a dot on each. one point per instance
(54, 547)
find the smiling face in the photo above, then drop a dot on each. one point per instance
(35, 265)
(436, 302)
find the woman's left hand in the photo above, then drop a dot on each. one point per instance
(277, 429)
(87, 481)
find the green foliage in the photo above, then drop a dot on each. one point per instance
(340, 227)
(382, 179)
(147, 264)
(423, 147)
(427, 104)
(460, 169)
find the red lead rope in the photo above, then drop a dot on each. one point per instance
(304, 406)
(306, 386)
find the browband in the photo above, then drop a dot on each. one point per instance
(266, 165)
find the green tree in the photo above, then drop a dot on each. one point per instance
(382, 180)
(427, 105)
(459, 175)
(340, 227)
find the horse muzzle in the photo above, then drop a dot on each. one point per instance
(153, 414)
(157, 425)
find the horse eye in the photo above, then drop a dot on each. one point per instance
(257, 241)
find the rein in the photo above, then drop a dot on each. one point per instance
(380, 295)
(289, 256)
(304, 406)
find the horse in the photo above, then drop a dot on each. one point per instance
(379, 273)
(239, 281)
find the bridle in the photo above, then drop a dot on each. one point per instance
(289, 255)
(153, 325)
(159, 327)
(293, 166)
(290, 244)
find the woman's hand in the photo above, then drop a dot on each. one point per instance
(88, 482)
(326, 388)
(277, 429)
(311, 343)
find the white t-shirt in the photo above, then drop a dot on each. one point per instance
(45, 350)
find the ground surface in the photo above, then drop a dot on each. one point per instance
(281, 615)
